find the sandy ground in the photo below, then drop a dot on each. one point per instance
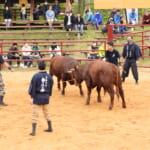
(76, 126)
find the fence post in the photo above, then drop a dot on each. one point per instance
(61, 48)
(143, 45)
(1, 48)
(110, 33)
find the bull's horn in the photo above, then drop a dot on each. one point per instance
(69, 71)
(72, 69)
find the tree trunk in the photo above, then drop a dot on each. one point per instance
(68, 5)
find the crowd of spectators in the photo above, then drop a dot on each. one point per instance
(77, 22)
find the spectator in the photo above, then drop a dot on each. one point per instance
(133, 17)
(14, 55)
(89, 17)
(7, 16)
(101, 52)
(26, 53)
(56, 8)
(45, 8)
(9, 3)
(23, 12)
(69, 21)
(36, 14)
(113, 12)
(98, 19)
(117, 17)
(79, 23)
(87, 8)
(131, 54)
(93, 54)
(146, 18)
(112, 55)
(50, 16)
(122, 29)
(54, 47)
(35, 54)
(105, 27)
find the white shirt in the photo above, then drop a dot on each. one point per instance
(26, 48)
(55, 53)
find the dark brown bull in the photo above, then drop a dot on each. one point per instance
(62, 67)
(100, 74)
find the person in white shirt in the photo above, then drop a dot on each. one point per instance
(26, 53)
(56, 49)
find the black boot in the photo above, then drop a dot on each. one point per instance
(49, 127)
(33, 129)
(1, 101)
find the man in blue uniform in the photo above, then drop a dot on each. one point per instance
(40, 91)
(2, 85)
(112, 55)
(131, 54)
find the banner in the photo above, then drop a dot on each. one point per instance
(109, 4)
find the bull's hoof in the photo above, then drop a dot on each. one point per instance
(110, 108)
(87, 104)
(82, 95)
(62, 95)
(124, 106)
(99, 101)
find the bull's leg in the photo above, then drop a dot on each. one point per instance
(111, 93)
(99, 96)
(64, 86)
(122, 97)
(81, 91)
(88, 96)
(58, 84)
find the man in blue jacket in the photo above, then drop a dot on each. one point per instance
(117, 17)
(40, 91)
(98, 19)
(131, 54)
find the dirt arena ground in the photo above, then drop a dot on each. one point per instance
(77, 126)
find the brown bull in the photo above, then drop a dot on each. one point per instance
(62, 67)
(100, 74)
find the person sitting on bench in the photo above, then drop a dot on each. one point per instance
(13, 54)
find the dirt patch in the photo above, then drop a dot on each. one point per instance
(76, 126)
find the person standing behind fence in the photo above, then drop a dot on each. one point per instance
(23, 12)
(2, 85)
(7, 16)
(14, 55)
(131, 54)
(79, 24)
(40, 91)
(112, 55)
(50, 16)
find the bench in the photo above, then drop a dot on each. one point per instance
(35, 39)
